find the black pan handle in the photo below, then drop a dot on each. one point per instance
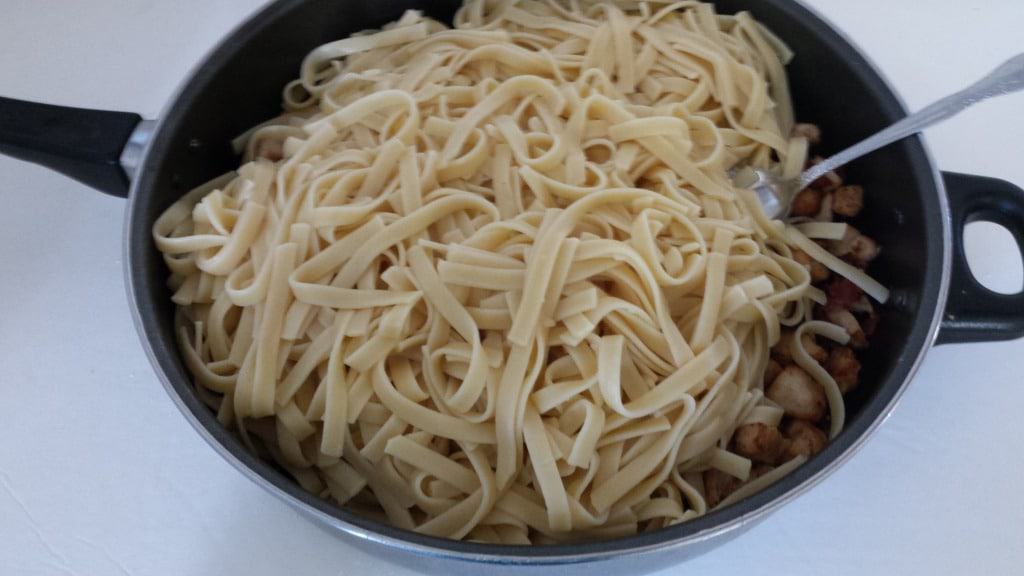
(975, 313)
(83, 144)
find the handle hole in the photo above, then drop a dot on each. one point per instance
(994, 257)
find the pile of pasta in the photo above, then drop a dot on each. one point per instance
(495, 282)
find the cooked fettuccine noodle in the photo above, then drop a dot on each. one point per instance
(494, 282)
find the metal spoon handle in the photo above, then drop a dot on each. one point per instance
(1007, 78)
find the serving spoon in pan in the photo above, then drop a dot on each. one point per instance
(777, 194)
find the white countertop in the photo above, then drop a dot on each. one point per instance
(100, 474)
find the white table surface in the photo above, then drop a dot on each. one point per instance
(99, 474)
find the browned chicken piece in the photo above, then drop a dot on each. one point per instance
(863, 250)
(771, 371)
(759, 442)
(806, 203)
(809, 131)
(845, 369)
(783, 351)
(718, 485)
(848, 200)
(805, 439)
(819, 272)
(843, 318)
(811, 345)
(270, 148)
(856, 247)
(798, 394)
(830, 181)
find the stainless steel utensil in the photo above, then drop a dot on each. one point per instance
(776, 195)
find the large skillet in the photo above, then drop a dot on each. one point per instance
(916, 213)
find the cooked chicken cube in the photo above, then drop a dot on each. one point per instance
(759, 442)
(848, 200)
(809, 131)
(843, 318)
(843, 366)
(798, 394)
(806, 203)
(718, 485)
(805, 439)
(856, 247)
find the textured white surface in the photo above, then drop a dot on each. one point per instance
(99, 474)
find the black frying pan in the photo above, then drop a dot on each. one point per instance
(916, 214)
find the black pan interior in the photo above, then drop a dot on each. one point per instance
(239, 85)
